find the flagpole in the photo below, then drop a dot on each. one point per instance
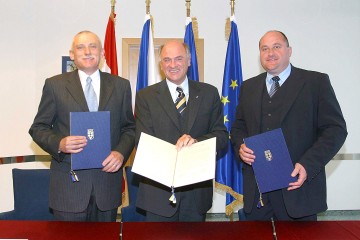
(112, 11)
(228, 21)
(188, 4)
(232, 4)
(147, 6)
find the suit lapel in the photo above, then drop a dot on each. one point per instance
(106, 89)
(294, 85)
(75, 89)
(195, 97)
(257, 91)
(165, 101)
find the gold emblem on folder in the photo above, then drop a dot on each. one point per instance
(90, 134)
(268, 155)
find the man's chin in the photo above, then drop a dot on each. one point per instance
(177, 81)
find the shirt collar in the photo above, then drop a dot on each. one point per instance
(172, 88)
(95, 76)
(283, 76)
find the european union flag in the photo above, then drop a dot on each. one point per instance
(193, 72)
(228, 175)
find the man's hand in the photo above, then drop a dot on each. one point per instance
(298, 170)
(246, 154)
(72, 144)
(113, 162)
(185, 141)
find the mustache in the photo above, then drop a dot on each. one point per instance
(88, 57)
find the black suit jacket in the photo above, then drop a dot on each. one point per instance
(314, 130)
(63, 94)
(156, 115)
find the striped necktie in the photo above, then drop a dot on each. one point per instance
(90, 96)
(180, 102)
(275, 86)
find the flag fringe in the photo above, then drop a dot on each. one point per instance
(227, 29)
(113, 17)
(125, 193)
(230, 208)
(152, 25)
(195, 26)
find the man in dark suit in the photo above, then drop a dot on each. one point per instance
(306, 109)
(97, 194)
(200, 119)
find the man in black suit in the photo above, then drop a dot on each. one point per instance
(306, 109)
(97, 194)
(201, 119)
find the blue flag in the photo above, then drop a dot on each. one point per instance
(147, 69)
(228, 174)
(193, 72)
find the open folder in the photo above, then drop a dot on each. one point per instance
(160, 161)
(96, 127)
(272, 165)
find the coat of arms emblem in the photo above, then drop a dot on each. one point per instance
(90, 134)
(268, 155)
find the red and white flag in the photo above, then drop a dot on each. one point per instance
(110, 65)
(110, 62)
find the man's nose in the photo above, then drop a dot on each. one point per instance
(172, 63)
(271, 51)
(87, 50)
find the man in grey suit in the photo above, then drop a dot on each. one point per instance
(97, 194)
(306, 109)
(201, 118)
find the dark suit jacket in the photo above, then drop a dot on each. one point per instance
(314, 130)
(63, 94)
(156, 115)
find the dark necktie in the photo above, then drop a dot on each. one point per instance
(275, 86)
(90, 96)
(180, 102)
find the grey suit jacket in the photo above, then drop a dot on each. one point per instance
(63, 94)
(156, 115)
(314, 130)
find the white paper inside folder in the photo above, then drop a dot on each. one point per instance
(159, 160)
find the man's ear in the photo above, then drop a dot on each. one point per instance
(71, 54)
(290, 51)
(102, 53)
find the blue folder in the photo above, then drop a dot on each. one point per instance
(272, 165)
(96, 127)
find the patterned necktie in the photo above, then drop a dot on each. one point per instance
(275, 86)
(180, 102)
(90, 96)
